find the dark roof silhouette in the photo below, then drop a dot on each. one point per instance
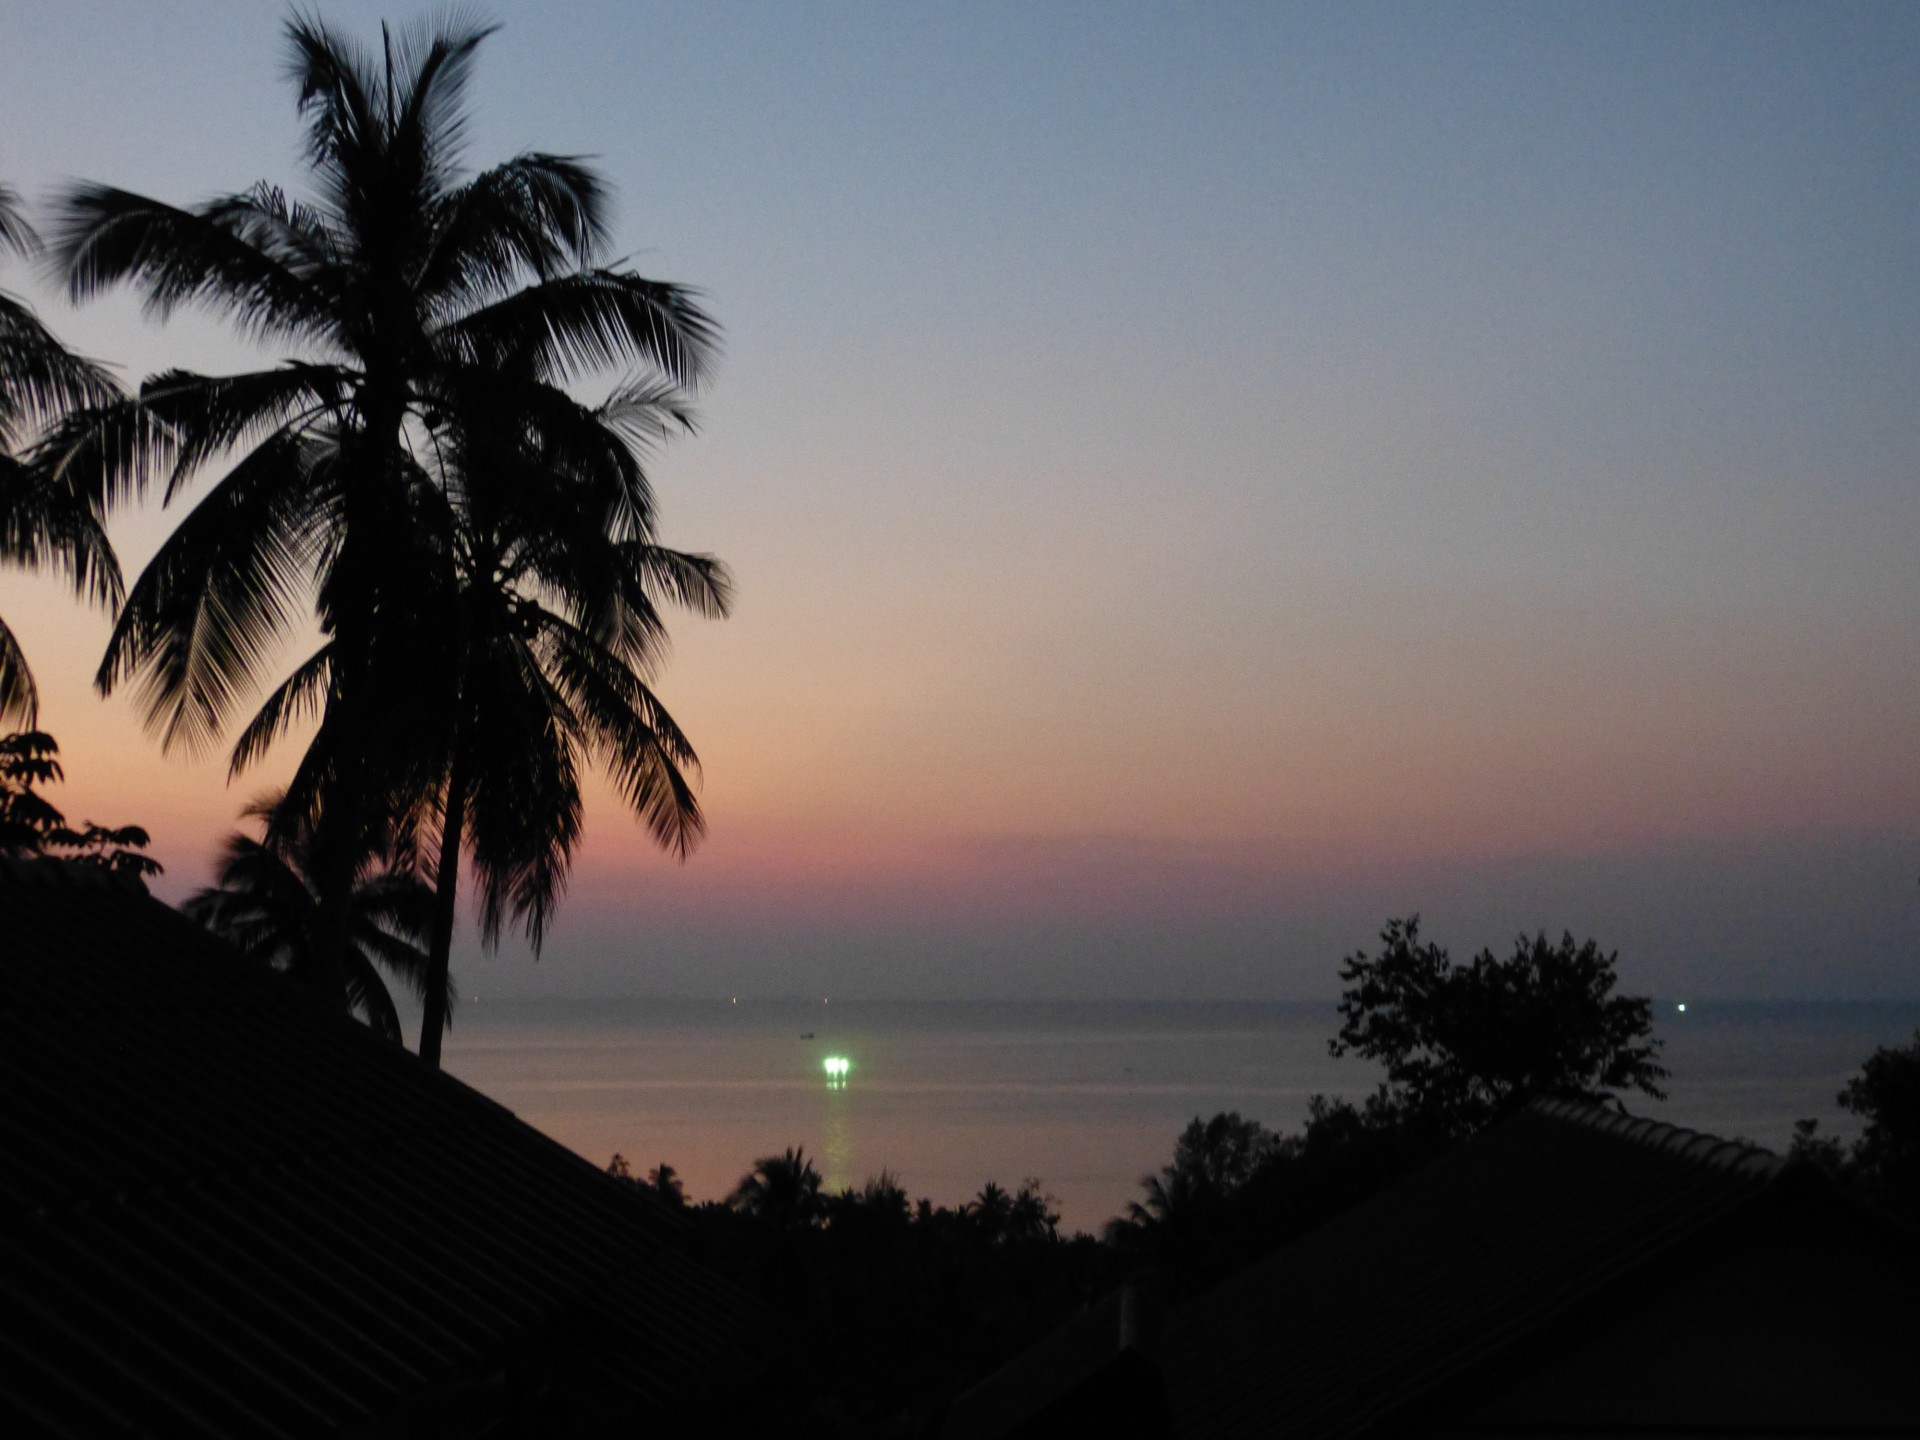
(1569, 1269)
(230, 1210)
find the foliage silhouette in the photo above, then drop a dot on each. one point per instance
(1465, 1044)
(1462, 1046)
(780, 1190)
(31, 826)
(1883, 1162)
(662, 1180)
(553, 628)
(44, 522)
(891, 1307)
(1886, 1094)
(265, 902)
(402, 286)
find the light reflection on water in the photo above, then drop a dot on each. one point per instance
(1086, 1097)
(836, 1150)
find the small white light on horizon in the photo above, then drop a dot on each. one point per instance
(1681, 1007)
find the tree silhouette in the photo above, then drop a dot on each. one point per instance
(402, 283)
(552, 631)
(663, 1180)
(1465, 1044)
(1883, 1161)
(1211, 1160)
(1886, 1095)
(782, 1191)
(44, 522)
(266, 902)
(31, 826)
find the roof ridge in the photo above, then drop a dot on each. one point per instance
(1717, 1152)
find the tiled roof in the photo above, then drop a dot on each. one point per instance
(1461, 1261)
(228, 1210)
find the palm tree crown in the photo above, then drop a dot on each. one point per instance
(782, 1190)
(401, 285)
(413, 296)
(42, 522)
(265, 901)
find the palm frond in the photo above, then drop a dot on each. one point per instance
(631, 733)
(44, 525)
(15, 233)
(700, 583)
(399, 901)
(524, 808)
(368, 996)
(201, 620)
(645, 410)
(19, 700)
(40, 379)
(299, 697)
(206, 416)
(336, 81)
(588, 322)
(428, 70)
(104, 237)
(402, 959)
(296, 235)
(536, 215)
(109, 453)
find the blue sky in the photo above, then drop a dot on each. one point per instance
(1201, 480)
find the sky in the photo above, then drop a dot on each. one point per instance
(1200, 480)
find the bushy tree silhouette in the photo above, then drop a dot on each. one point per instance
(1464, 1044)
(31, 826)
(1883, 1162)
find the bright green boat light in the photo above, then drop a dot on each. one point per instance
(836, 1067)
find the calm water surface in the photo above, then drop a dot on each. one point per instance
(1085, 1097)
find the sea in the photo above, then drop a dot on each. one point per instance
(1084, 1098)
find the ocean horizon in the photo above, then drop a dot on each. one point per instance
(1084, 1096)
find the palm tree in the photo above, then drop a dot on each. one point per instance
(401, 286)
(781, 1190)
(42, 523)
(554, 632)
(266, 903)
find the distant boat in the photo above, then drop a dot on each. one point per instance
(807, 1036)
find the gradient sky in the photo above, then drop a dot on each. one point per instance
(1201, 479)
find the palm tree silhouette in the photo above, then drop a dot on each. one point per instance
(781, 1190)
(43, 522)
(667, 1184)
(990, 1210)
(402, 284)
(266, 903)
(552, 631)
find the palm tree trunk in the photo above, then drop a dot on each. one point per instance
(340, 827)
(368, 507)
(433, 1022)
